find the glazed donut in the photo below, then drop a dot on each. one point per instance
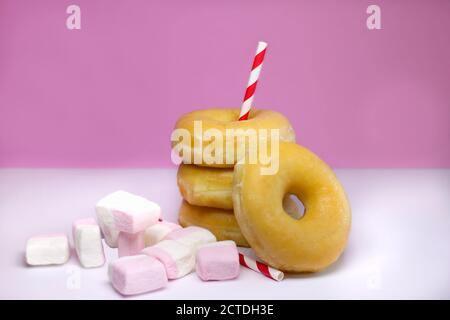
(221, 223)
(221, 120)
(308, 244)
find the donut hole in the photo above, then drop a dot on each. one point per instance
(293, 206)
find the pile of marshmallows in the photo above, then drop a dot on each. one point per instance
(151, 251)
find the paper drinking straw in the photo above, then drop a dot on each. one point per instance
(253, 80)
(260, 267)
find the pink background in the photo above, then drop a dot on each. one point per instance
(110, 93)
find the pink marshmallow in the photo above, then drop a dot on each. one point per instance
(135, 218)
(137, 274)
(131, 220)
(217, 261)
(193, 237)
(130, 244)
(177, 258)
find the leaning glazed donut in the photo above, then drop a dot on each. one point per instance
(308, 244)
(221, 223)
(198, 124)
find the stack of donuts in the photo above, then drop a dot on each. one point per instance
(207, 188)
(236, 202)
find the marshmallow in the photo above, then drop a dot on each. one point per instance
(105, 218)
(177, 258)
(158, 231)
(137, 274)
(131, 220)
(193, 237)
(135, 218)
(119, 200)
(217, 261)
(47, 249)
(130, 243)
(88, 242)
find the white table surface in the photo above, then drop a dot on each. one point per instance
(399, 245)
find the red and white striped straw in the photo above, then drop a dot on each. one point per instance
(260, 267)
(253, 80)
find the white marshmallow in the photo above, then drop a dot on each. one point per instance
(47, 249)
(158, 231)
(177, 258)
(88, 243)
(119, 201)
